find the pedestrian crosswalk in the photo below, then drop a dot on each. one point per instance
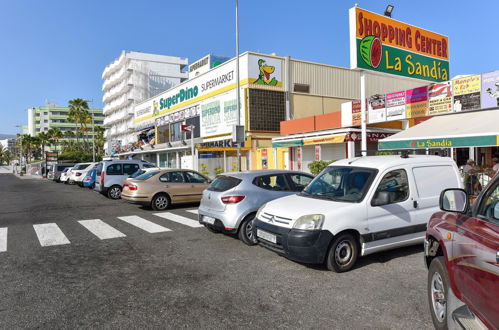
(50, 234)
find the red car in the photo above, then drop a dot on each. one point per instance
(462, 255)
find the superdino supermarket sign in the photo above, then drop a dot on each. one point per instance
(382, 44)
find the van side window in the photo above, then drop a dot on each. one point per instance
(489, 206)
(114, 169)
(396, 184)
(130, 168)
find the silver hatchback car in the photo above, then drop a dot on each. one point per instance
(231, 201)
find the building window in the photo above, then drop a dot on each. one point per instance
(176, 132)
(301, 88)
(193, 121)
(164, 134)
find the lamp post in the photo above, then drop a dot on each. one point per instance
(19, 148)
(238, 98)
(93, 131)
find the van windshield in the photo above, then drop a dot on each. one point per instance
(341, 183)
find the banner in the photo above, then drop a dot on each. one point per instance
(490, 89)
(357, 114)
(377, 110)
(416, 100)
(219, 114)
(382, 44)
(395, 106)
(467, 93)
(439, 98)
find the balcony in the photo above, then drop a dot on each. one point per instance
(116, 78)
(113, 67)
(116, 91)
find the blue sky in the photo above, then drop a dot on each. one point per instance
(57, 50)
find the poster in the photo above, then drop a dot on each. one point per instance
(440, 98)
(395, 106)
(377, 110)
(356, 113)
(416, 101)
(467, 93)
(490, 89)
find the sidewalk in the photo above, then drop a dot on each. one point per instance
(28, 177)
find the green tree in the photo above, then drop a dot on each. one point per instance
(55, 135)
(26, 144)
(79, 114)
(99, 140)
(43, 140)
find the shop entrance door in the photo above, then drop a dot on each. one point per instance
(286, 160)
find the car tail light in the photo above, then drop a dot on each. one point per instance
(78, 174)
(102, 178)
(232, 199)
(131, 186)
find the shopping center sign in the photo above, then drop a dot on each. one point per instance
(382, 44)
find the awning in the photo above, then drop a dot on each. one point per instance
(326, 139)
(285, 144)
(468, 129)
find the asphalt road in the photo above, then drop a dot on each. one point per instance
(183, 278)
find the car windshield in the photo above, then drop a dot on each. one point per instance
(146, 175)
(81, 166)
(341, 183)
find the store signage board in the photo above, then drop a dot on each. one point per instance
(452, 142)
(439, 98)
(467, 93)
(490, 89)
(219, 114)
(395, 106)
(377, 110)
(416, 101)
(382, 44)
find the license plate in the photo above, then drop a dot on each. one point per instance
(266, 236)
(209, 220)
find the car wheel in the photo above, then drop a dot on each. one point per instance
(160, 202)
(114, 192)
(342, 254)
(245, 233)
(438, 292)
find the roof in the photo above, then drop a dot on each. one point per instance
(383, 162)
(466, 129)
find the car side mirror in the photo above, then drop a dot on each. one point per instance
(382, 198)
(496, 211)
(454, 200)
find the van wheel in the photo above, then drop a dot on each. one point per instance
(246, 231)
(160, 202)
(342, 254)
(438, 292)
(114, 192)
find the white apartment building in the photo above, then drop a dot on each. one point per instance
(131, 78)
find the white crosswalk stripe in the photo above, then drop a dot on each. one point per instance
(3, 239)
(144, 224)
(50, 234)
(193, 211)
(101, 229)
(180, 219)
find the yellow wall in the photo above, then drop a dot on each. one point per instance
(310, 105)
(257, 163)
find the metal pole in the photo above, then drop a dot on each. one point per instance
(192, 148)
(363, 120)
(238, 98)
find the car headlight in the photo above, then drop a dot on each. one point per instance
(309, 222)
(260, 210)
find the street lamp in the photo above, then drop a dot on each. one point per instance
(93, 131)
(19, 148)
(238, 98)
(388, 10)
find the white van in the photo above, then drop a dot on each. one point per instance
(110, 175)
(355, 207)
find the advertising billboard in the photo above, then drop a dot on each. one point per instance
(219, 114)
(377, 110)
(439, 98)
(382, 44)
(416, 102)
(490, 89)
(467, 93)
(395, 106)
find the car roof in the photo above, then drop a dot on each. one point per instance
(382, 162)
(255, 173)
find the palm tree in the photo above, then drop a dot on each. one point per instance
(55, 135)
(26, 145)
(43, 139)
(78, 113)
(99, 140)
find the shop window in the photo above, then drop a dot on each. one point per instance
(176, 132)
(163, 134)
(301, 88)
(197, 129)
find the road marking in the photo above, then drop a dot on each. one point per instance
(101, 229)
(3, 239)
(192, 211)
(144, 224)
(50, 234)
(179, 219)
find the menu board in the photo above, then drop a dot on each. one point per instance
(467, 93)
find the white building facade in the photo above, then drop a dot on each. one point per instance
(128, 80)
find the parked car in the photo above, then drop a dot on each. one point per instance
(231, 201)
(140, 172)
(462, 255)
(65, 175)
(356, 207)
(89, 180)
(56, 170)
(110, 175)
(161, 188)
(79, 172)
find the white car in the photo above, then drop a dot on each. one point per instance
(356, 207)
(65, 175)
(79, 172)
